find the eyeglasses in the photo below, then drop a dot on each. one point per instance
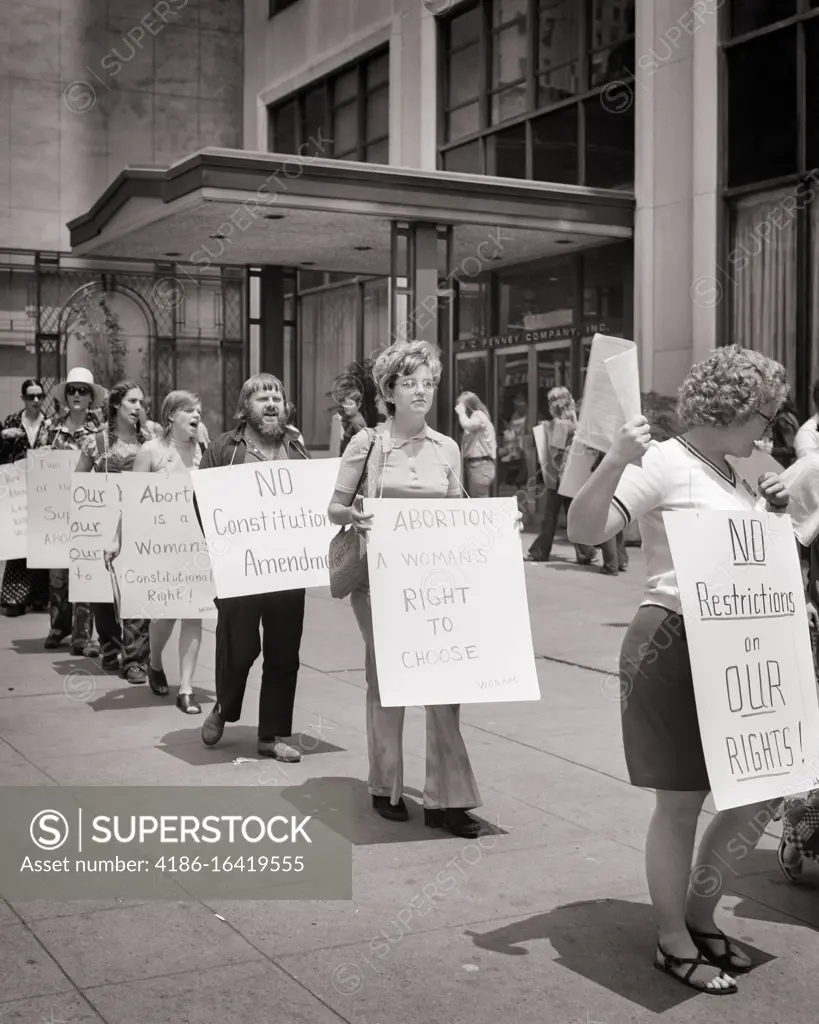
(413, 385)
(769, 420)
(34, 396)
(77, 389)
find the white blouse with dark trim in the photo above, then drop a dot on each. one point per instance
(675, 477)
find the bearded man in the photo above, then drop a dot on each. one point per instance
(262, 435)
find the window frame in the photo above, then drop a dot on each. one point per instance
(533, 76)
(807, 367)
(360, 101)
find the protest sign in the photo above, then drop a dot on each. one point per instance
(266, 524)
(163, 567)
(49, 501)
(13, 505)
(92, 518)
(611, 392)
(448, 595)
(747, 627)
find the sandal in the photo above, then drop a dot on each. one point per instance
(725, 960)
(157, 681)
(671, 963)
(187, 703)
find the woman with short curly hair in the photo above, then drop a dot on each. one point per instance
(727, 403)
(407, 460)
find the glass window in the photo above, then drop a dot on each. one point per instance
(464, 159)
(506, 152)
(506, 10)
(345, 87)
(283, 128)
(604, 284)
(463, 76)
(536, 297)
(609, 146)
(377, 71)
(812, 91)
(748, 15)
(558, 50)
(314, 119)
(612, 41)
(327, 344)
(764, 263)
(378, 115)
(472, 374)
(465, 28)
(472, 298)
(768, 99)
(330, 109)
(345, 130)
(555, 147)
(509, 103)
(378, 152)
(463, 121)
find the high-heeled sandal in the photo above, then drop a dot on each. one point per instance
(187, 703)
(671, 963)
(723, 961)
(157, 681)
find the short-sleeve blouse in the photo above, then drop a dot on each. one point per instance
(675, 477)
(425, 466)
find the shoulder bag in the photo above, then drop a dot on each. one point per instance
(348, 556)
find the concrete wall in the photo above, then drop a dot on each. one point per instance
(90, 86)
(676, 185)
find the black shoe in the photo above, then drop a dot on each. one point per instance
(212, 728)
(13, 610)
(392, 812)
(158, 682)
(623, 568)
(454, 820)
(609, 570)
(110, 662)
(53, 641)
(187, 703)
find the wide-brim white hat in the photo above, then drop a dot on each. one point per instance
(79, 375)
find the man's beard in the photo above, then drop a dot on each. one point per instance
(272, 431)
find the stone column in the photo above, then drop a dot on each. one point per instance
(676, 177)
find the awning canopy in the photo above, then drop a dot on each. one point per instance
(232, 207)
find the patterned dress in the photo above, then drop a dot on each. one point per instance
(22, 587)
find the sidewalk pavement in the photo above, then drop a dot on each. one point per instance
(548, 922)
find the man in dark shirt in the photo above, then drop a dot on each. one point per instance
(262, 435)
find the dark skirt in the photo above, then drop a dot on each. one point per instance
(661, 732)
(24, 587)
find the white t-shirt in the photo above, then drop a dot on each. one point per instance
(675, 477)
(806, 441)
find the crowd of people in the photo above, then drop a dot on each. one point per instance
(734, 401)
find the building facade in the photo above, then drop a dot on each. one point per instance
(289, 184)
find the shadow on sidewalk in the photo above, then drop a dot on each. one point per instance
(237, 741)
(609, 942)
(34, 646)
(131, 696)
(345, 805)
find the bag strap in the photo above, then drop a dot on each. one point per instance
(371, 435)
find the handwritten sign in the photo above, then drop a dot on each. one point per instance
(163, 567)
(92, 518)
(13, 506)
(450, 615)
(747, 629)
(49, 502)
(266, 524)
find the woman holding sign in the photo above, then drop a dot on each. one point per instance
(727, 403)
(176, 450)
(23, 587)
(114, 450)
(410, 461)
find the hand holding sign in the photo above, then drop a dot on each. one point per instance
(773, 490)
(632, 441)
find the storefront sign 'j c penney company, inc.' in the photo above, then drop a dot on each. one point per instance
(564, 333)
